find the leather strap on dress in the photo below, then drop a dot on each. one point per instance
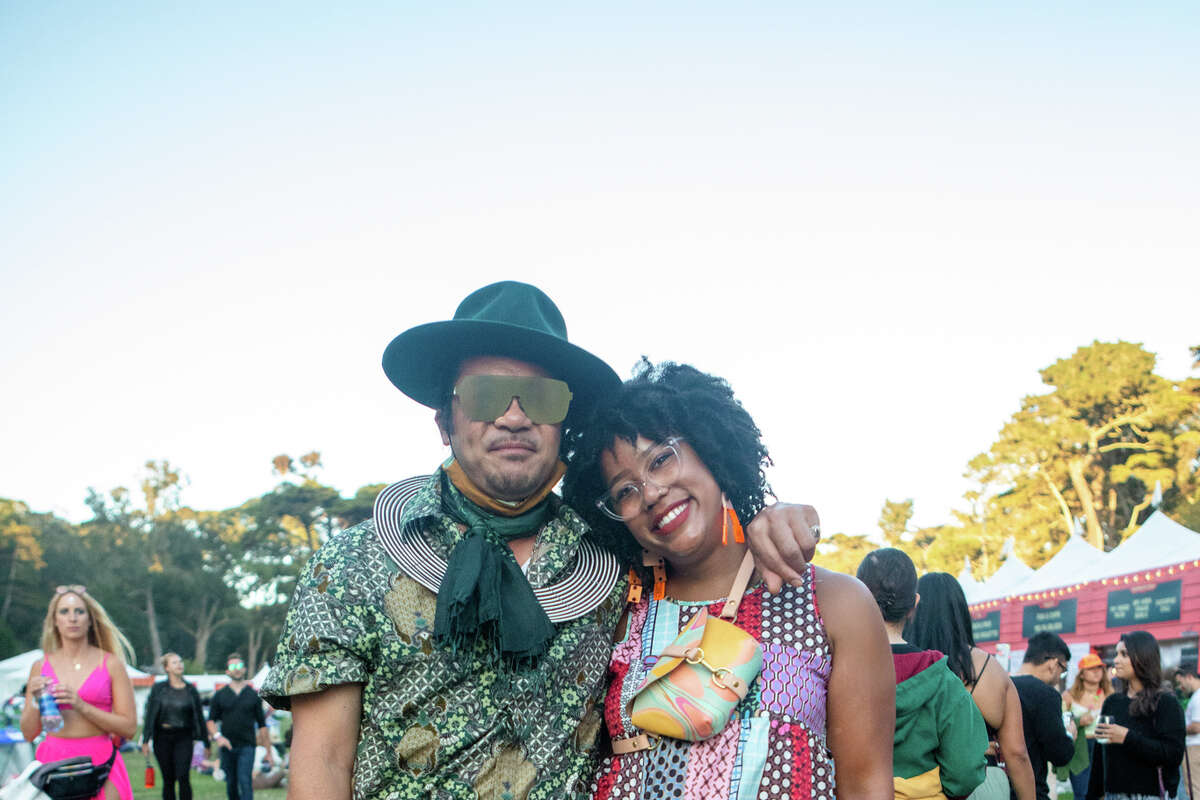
(632, 744)
(729, 611)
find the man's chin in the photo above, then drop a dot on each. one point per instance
(513, 488)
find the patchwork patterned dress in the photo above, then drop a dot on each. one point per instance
(773, 747)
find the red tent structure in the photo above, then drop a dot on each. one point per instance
(1150, 582)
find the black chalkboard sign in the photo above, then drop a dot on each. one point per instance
(1059, 618)
(1159, 604)
(987, 627)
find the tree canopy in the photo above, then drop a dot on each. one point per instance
(173, 578)
(1088, 454)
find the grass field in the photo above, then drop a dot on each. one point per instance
(203, 787)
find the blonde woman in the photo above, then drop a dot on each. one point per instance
(84, 669)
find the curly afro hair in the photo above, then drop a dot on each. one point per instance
(659, 402)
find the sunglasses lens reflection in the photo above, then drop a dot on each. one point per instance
(486, 397)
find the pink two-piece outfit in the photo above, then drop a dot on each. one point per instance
(97, 690)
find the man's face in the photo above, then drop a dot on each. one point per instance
(236, 669)
(510, 457)
(1189, 683)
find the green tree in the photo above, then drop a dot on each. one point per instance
(141, 539)
(170, 559)
(942, 548)
(1092, 447)
(20, 543)
(843, 553)
(201, 572)
(1184, 505)
(282, 529)
(893, 522)
(174, 578)
(348, 512)
(34, 550)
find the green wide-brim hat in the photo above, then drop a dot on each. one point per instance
(508, 319)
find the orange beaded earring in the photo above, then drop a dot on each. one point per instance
(729, 514)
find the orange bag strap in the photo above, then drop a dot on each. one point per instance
(660, 573)
(729, 611)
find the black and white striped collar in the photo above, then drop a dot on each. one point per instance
(582, 586)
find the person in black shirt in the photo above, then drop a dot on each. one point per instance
(174, 719)
(238, 709)
(1046, 660)
(1145, 740)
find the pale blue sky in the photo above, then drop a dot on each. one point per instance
(878, 222)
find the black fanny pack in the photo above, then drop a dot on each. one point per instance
(73, 778)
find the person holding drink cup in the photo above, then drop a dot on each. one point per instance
(84, 670)
(1140, 730)
(1083, 702)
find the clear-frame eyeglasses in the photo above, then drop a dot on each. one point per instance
(661, 467)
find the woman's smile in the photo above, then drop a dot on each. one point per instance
(680, 519)
(672, 518)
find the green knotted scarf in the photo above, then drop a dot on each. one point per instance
(484, 592)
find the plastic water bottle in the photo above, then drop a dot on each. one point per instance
(51, 717)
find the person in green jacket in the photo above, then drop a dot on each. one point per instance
(941, 741)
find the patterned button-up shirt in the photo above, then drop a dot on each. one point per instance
(440, 724)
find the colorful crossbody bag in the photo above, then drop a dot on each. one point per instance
(699, 678)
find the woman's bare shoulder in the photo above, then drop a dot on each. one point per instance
(990, 691)
(844, 602)
(988, 670)
(839, 587)
(827, 577)
(117, 670)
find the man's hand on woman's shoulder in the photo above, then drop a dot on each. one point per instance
(784, 539)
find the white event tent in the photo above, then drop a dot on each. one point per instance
(1160, 542)
(1150, 582)
(1076, 562)
(1012, 573)
(967, 581)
